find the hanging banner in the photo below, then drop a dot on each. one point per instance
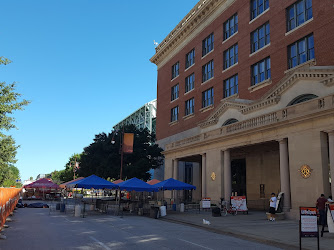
(239, 202)
(128, 143)
(330, 218)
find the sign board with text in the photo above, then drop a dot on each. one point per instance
(308, 223)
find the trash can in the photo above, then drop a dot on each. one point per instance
(215, 211)
(182, 207)
(174, 207)
(77, 211)
(154, 212)
(57, 206)
(62, 207)
(163, 211)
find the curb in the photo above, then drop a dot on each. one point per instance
(274, 243)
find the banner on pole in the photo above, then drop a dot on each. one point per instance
(128, 143)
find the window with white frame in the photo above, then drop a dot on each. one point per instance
(261, 71)
(175, 70)
(189, 106)
(301, 51)
(189, 82)
(207, 98)
(231, 86)
(207, 71)
(231, 56)
(231, 26)
(207, 44)
(260, 37)
(174, 114)
(175, 92)
(257, 7)
(190, 58)
(298, 13)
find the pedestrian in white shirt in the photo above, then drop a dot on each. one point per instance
(272, 208)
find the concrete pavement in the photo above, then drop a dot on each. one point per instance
(254, 226)
(36, 228)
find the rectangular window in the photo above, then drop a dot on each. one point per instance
(207, 44)
(174, 114)
(260, 37)
(207, 98)
(231, 56)
(190, 82)
(298, 13)
(189, 106)
(175, 70)
(301, 51)
(231, 26)
(175, 92)
(261, 71)
(207, 71)
(257, 7)
(190, 58)
(231, 86)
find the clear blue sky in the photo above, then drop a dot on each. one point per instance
(84, 65)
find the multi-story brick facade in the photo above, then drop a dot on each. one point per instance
(250, 70)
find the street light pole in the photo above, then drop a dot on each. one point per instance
(121, 148)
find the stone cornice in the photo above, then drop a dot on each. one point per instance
(199, 13)
(273, 96)
(213, 119)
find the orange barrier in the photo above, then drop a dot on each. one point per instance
(8, 200)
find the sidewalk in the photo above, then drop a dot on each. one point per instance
(254, 227)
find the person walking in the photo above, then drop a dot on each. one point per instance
(272, 207)
(321, 205)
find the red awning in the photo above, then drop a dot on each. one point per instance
(43, 183)
(152, 182)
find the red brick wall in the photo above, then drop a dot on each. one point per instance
(322, 27)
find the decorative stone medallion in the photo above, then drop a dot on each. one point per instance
(213, 176)
(305, 171)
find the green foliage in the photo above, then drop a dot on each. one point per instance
(103, 158)
(66, 174)
(8, 104)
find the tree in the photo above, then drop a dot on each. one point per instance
(103, 158)
(8, 104)
(67, 174)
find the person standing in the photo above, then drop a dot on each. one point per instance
(321, 205)
(272, 207)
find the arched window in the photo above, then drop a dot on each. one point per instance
(230, 121)
(302, 98)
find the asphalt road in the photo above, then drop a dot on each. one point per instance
(35, 228)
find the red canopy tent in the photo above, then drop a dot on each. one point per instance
(39, 188)
(152, 182)
(43, 183)
(118, 181)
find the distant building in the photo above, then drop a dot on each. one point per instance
(40, 176)
(246, 100)
(144, 117)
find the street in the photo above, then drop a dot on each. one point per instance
(35, 228)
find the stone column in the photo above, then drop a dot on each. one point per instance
(331, 157)
(204, 175)
(175, 175)
(285, 173)
(227, 175)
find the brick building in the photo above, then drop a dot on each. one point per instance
(246, 100)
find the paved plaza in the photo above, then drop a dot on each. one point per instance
(37, 228)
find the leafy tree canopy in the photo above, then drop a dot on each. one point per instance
(103, 158)
(67, 174)
(8, 104)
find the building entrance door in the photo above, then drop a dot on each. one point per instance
(188, 178)
(238, 169)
